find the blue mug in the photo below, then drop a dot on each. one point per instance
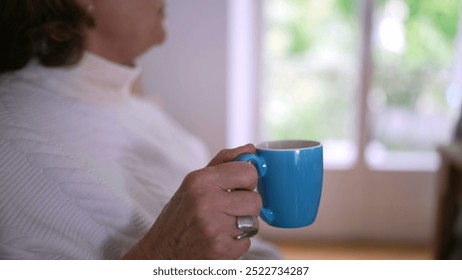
(290, 181)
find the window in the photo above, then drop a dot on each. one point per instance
(346, 72)
(370, 79)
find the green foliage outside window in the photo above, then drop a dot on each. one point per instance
(312, 61)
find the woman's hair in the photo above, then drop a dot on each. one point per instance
(50, 30)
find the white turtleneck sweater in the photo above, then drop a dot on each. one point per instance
(86, 166)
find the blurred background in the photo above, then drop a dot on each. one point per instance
(374, 80)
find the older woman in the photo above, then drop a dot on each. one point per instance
(90, 171)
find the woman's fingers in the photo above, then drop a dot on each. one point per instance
(227, 176)
(228, 155)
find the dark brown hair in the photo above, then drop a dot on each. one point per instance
(50, 30)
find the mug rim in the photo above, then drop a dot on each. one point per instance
(288, 145)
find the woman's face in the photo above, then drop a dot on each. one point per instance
(125, 28)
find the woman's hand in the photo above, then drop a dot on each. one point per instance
(199, 222)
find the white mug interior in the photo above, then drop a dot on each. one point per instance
(288, 145)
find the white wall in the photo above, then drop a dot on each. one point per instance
(188, 74)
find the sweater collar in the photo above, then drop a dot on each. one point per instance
(93, 79)
(105, 73)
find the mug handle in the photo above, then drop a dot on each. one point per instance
(257, 161)
(260, 165)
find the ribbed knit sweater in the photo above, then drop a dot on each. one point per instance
(85, 165)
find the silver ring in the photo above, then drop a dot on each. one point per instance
(248, 225)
